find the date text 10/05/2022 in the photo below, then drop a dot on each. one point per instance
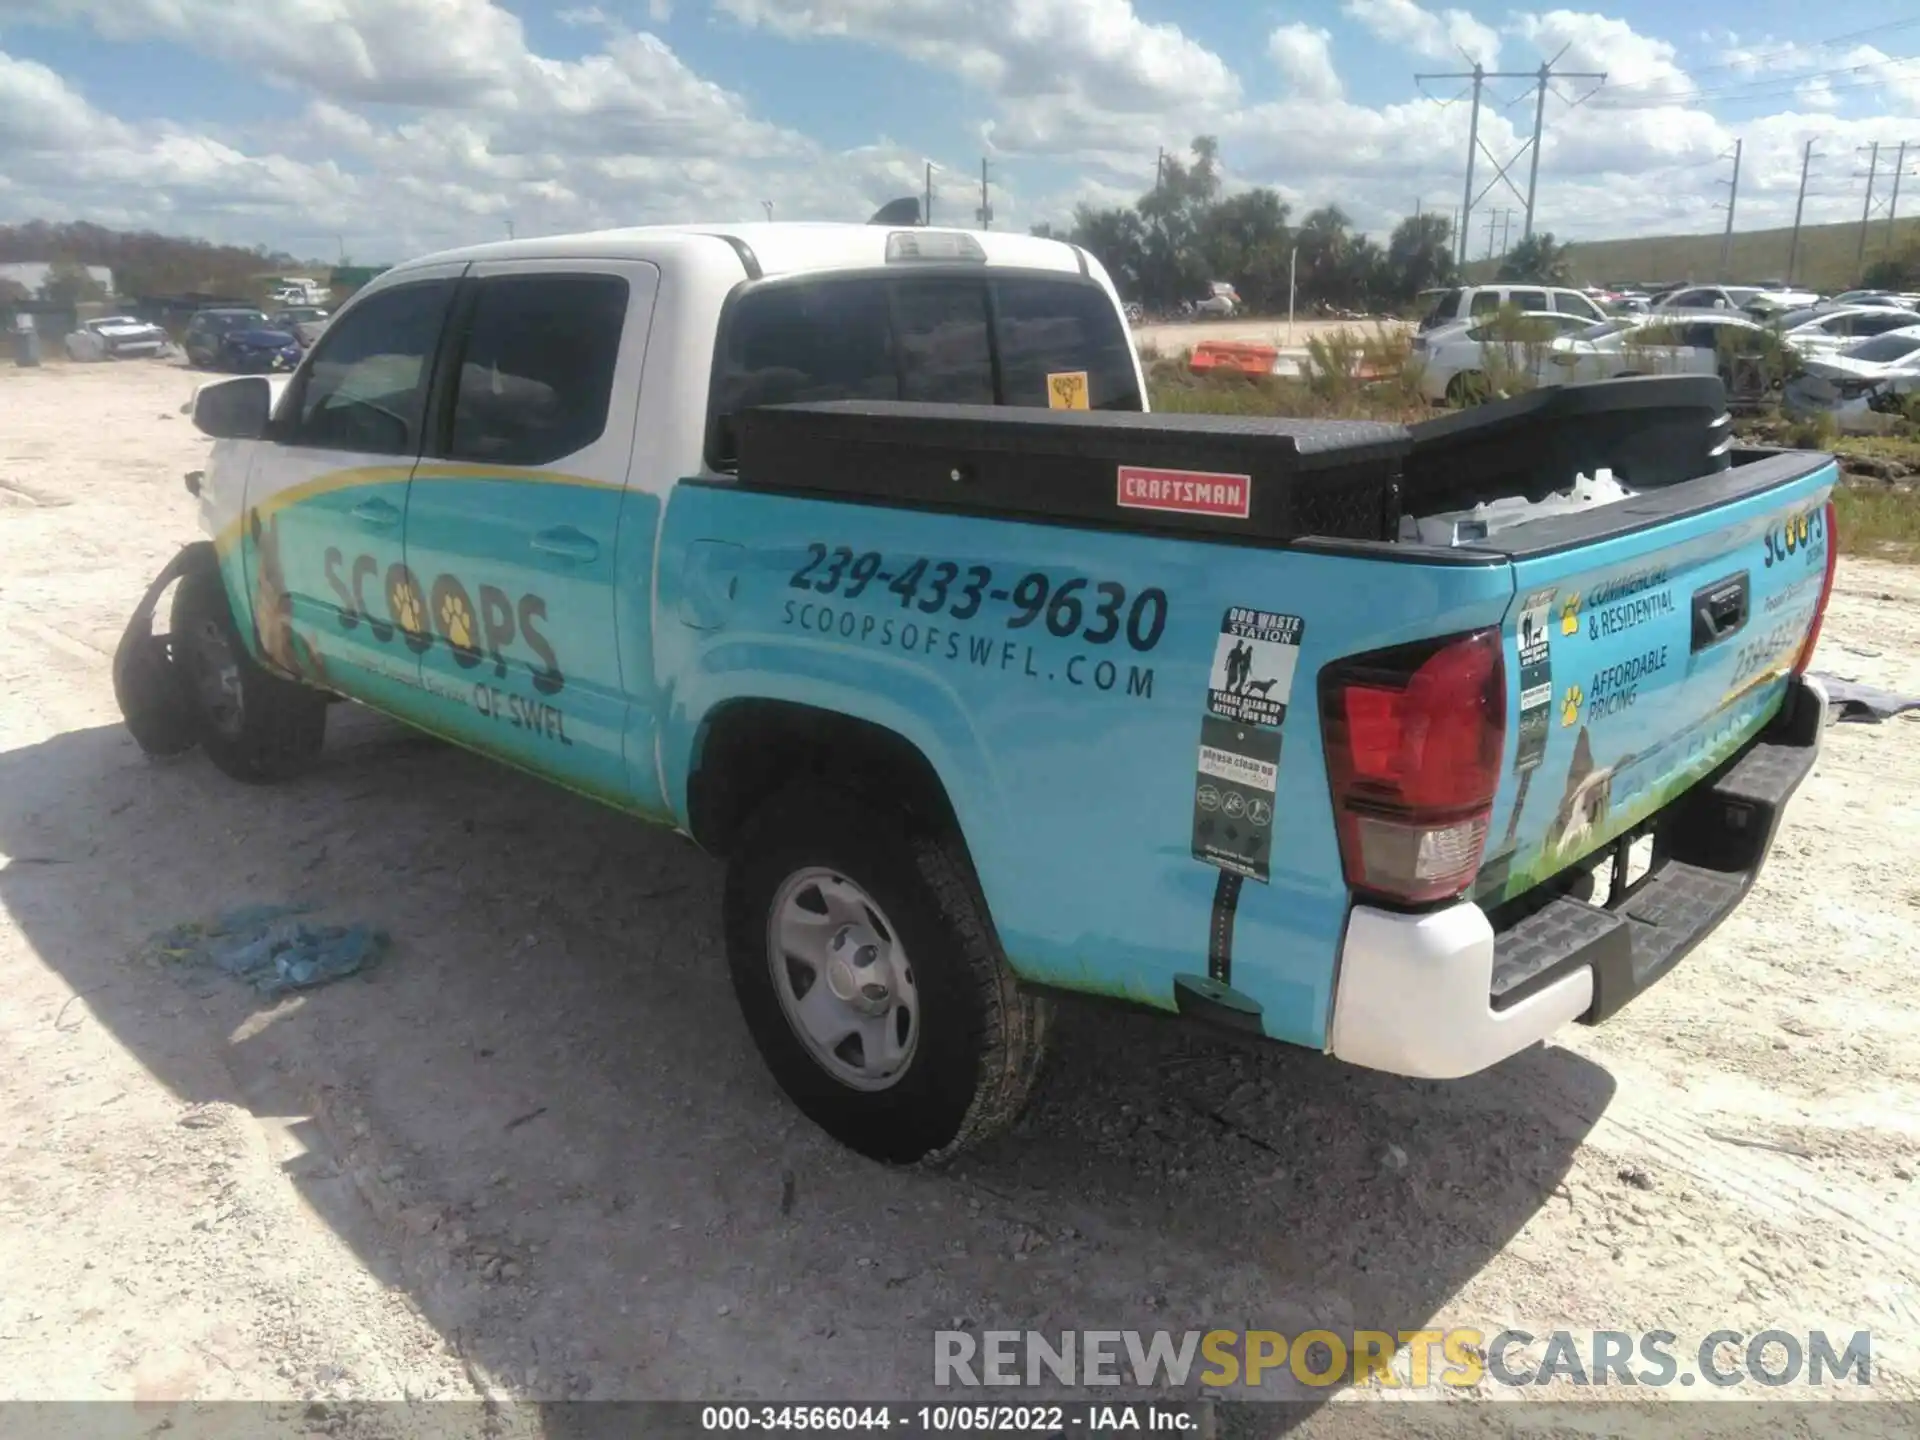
(1096, 612)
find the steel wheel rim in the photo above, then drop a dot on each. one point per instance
(843, 978)
(216, 679)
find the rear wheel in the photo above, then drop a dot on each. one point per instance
(871, 981)
(1469, 387)
(253, 725)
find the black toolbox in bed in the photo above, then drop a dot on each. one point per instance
(1249, 478)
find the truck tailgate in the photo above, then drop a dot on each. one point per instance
(1646, 657)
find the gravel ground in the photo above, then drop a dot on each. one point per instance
(533, 1156)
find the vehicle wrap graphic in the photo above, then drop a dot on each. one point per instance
(1625, 698)
(524, 614)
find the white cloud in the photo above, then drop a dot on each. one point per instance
(1436, 36)
(1304, 57)
(1069, 77)
(1817, 94)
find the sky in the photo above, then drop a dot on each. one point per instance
(380, 129)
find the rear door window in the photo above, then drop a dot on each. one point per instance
(940, 328)
(1526, 300)
(1446, 308)
(954, 340)
(536, 371)
(1485, 302)
(1047, 329)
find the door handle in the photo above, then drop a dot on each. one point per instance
(377, 513)
(566, 543)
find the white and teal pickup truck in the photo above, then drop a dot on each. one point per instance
(853, 553)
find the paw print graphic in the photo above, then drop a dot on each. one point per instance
(1570, 705)
(1570, 615)
(456, 621)
(408, 611)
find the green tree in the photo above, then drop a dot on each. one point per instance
(1419, 256)
(1246, 241)
(1045, 231)
(1118, 240)
(1173, 269)
(1540, 259)
(1326, 255)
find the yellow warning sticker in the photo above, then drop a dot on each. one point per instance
(1067, 390)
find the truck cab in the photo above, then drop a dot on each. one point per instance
(852, 553)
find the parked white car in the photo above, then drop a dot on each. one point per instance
(1474, 302)
(1687, 344)
(1464, 362)
(1890, 299)
(1823, 331)
(1862, 388)
(116, 337)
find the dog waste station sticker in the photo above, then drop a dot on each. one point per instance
(1253, 665)
(1536, 678)
(1067, 390)
(1233, 797)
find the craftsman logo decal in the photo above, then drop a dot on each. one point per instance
(1191, 492)
(1233, 797)
(1253, 664)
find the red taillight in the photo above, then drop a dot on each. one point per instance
(1826, 593)
(1414, 738)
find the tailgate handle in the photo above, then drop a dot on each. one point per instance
(1720, 609)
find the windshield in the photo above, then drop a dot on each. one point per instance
(1743, 294)
(1883, 348)
(1793, 319)
(1604, 329)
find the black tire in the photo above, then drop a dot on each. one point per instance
(1469, 387)
(981, 1039)
(254, 726)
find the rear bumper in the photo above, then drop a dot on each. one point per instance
(1443, 994)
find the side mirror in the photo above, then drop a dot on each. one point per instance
(233, 409)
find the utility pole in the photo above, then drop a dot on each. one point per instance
(1893, 205)
(510, 229)
(1866, 209)
(1506, 224)
(1543, 78)
(1733, 197)
(1799, 206)
(926, 211)
(767, 205)
(1493, 217)
(985, 214)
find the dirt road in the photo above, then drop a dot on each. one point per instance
(533, 1153)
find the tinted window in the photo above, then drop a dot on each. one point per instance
(366, 387)
(940, 329)
(877, 338)
(1881, 324)
(1606, 328)
(1446, 308)
(537, 367)
(1885, 348)
(1047, 329)
(1572, 303)
(1485, 302)
(788, 344)
(1528, 299)
(1794, 319)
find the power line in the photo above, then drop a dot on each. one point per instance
(1776, 87)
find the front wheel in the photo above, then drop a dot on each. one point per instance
(871, 981)
(253, 725)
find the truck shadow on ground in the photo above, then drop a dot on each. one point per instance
(568, 1152)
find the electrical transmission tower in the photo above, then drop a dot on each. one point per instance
(1893, 201)
(1799, 207)
(1733, 197)
(1543, 79)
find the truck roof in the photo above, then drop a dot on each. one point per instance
(781, 247)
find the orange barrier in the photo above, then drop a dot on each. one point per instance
(1212, 356)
